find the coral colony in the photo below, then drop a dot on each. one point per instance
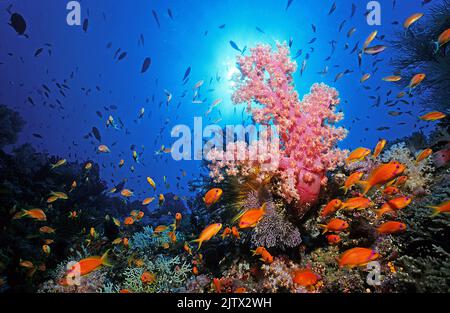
(306, 127)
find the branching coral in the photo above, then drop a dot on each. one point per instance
(306, 128)
(169, 273)
(419, 174)
(426, 274)
(146, 239)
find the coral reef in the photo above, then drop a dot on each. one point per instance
(11, 124)
(156, 252)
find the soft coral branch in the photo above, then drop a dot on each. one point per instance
(306, 128)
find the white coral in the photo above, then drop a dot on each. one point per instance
(419, 174)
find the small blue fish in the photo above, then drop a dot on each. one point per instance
(234, 46)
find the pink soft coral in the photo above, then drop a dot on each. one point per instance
(307, 131)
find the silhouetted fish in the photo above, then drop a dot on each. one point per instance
(38, 51)
(186, 73)
(85, 25)
(353, 10)
(155, 15)
(260, 30)
(235, 46)
(146, 65)
(122, 56)
(333, 7)
(96, 133)
(18, 23)
(288, 4)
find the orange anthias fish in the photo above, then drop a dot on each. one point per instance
(88, 265)
(36, 214)
(235, 232)
(217, 285)
(357, 257)
(147, 201)
(351, 181)
(423, 155)
(443, 38)
(392, 78)
(178, 217)
(172, 236)
(382, 174)
(148, 278)
(161, 199)
(128, 221)
(441, 208)
(252, 217)
(305, 277)
(187, 248)
(364, 77)
(265, 255)
(335, 225)
(226, 232)
(391, 190)
(391, 227)
(369, 39)
(358, 203)
(379, 147)
(400, 202)
(258, 251)
(209, 232)
(140, 215)
(416, 80)
(103, 149)
(412, 19)
(433, 116)
(385, 209)
(46, 230)
(333, 239)
(26, 264)
(52, 199)
(212, 196)
(331, 207)
(357, 155)
(400, 180)
(160, 229)
(126, 193)
(151, 182)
